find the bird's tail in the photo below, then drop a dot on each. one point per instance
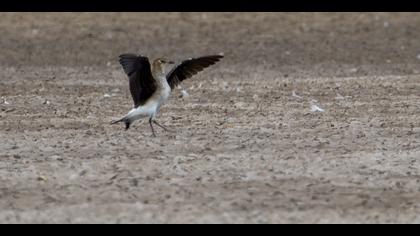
(127, 123)
(117, 121)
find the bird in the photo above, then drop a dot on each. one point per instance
(150, 86)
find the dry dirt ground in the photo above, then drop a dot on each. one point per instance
(246, 148)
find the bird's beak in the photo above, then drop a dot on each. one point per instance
(170, 62)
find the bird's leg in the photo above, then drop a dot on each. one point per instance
(161, 126)
(151, 126)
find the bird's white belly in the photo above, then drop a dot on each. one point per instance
(147, 110)
(151, 107)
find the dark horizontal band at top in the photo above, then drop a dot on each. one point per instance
(209, 5)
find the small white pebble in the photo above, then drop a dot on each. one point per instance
(315, 108)
(418, 56)
(35, 31)
(287, 53)
(353, 70)
(42, 178)
(73, 176)
(295, 95)
(4, 101)
(339, 97)
(240, 105)
(184, 93)
(386, 24)
(108, 64)
(107, 95)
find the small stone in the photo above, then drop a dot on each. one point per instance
(134, 182)
(41, 178)
(57, 157)
(184, 93)
(353, 70)
(315, 108)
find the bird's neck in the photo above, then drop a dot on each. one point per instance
(160, 76)
(158, 70)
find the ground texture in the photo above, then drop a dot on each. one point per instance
(246, 146)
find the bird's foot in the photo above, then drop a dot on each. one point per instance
(163, 127)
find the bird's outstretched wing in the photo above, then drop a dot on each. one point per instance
(142, 83)
(190, 67)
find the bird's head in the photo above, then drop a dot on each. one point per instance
(160, 63)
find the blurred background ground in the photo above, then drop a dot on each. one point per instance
(247, 147)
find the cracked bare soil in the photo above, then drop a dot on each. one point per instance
(246, 148)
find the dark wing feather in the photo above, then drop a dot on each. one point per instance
(142, 83)
(190, 67)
